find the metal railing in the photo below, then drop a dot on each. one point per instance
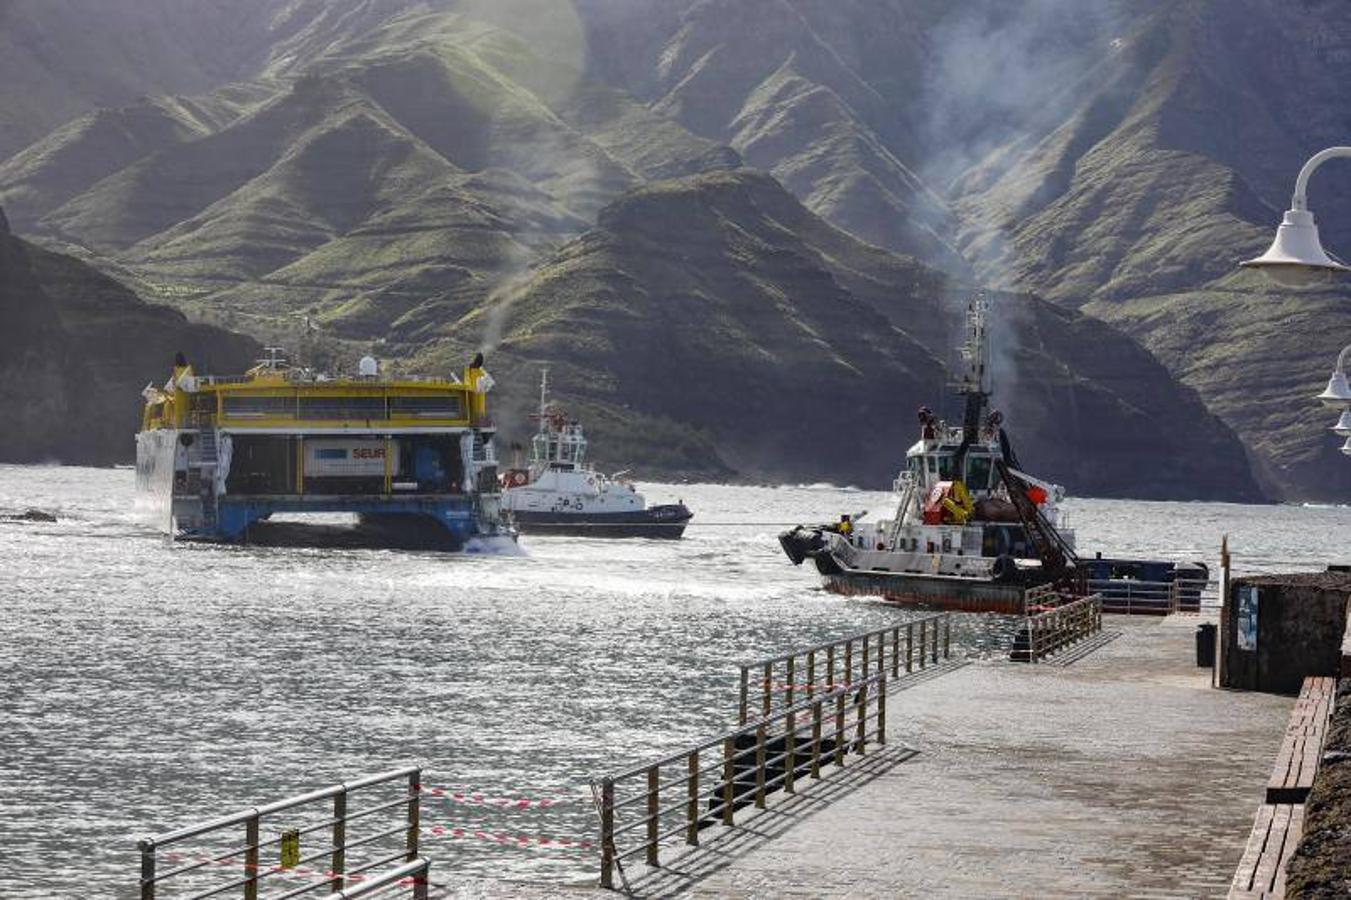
(1182, 595)
(252, 865)
(1057, 628)
(843, 662)
(417, 873)
(643, 806)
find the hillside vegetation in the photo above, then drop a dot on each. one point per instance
(784, 200)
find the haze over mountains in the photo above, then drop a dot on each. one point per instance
(738, 229)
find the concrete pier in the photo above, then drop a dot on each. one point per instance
(1122, 773)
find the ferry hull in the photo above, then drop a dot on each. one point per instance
(663, 522)
(159, 457)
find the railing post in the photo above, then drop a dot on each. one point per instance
(866, 666)
(881, 652)
(251, 856)
(745, 687)
(947, 637)
(882, 710)
(860, 726)
(414, 812)
(422, 880)
(935, 648)
(607, 833)
(830, 668)
(692, 807)
(653, 805)
(790, 673)
(811, 673)
(923, 642)
(789, 758)
(816, 739)
(337, 863)
(760, 766)
(147, 870)
(909, 647)
(848, 662)
(768, 689)
(728, 779)
(896, 652)
(839, 728)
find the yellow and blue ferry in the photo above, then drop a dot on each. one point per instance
(217, 455)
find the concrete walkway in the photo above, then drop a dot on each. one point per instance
(1121, 774)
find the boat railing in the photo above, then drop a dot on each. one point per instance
(1048, 632)
(670, 800)
(1130, 596)
(781, 681)
(351, 846)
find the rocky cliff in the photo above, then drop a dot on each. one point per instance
(77, 349)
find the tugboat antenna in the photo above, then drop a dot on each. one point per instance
(543, 391)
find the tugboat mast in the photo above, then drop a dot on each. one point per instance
(975, 381)
(543, 394)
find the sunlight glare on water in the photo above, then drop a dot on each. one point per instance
(147, 685)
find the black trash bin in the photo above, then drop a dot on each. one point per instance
(1205, 645)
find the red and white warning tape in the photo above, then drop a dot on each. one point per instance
(505, 839)
(475, 798)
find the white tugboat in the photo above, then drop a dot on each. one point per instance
(972, 531)
(560, 493)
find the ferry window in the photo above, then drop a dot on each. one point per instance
(933, 466)
(342, 407)
(432, 407)
(978, 472)
(945, 468)
(258, 407)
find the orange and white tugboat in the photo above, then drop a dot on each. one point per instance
(973, 531)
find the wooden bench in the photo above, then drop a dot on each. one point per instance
(1302, 747)
(1275, 834)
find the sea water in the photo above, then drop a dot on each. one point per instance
(147, 685)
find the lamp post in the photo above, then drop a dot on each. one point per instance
(1296, 258)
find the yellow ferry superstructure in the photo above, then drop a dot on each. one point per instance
(217, 454)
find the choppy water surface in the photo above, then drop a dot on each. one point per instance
(145, 685)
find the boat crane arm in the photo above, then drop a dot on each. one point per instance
(1058, 558)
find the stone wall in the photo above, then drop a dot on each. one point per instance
(1296, 630)
(1321, 866)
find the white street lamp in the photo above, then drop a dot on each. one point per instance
(1296, 257)
(1337, 395)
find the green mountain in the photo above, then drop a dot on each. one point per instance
(1165, 160)
(396, 173)
(78, 348)
(713, 325)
